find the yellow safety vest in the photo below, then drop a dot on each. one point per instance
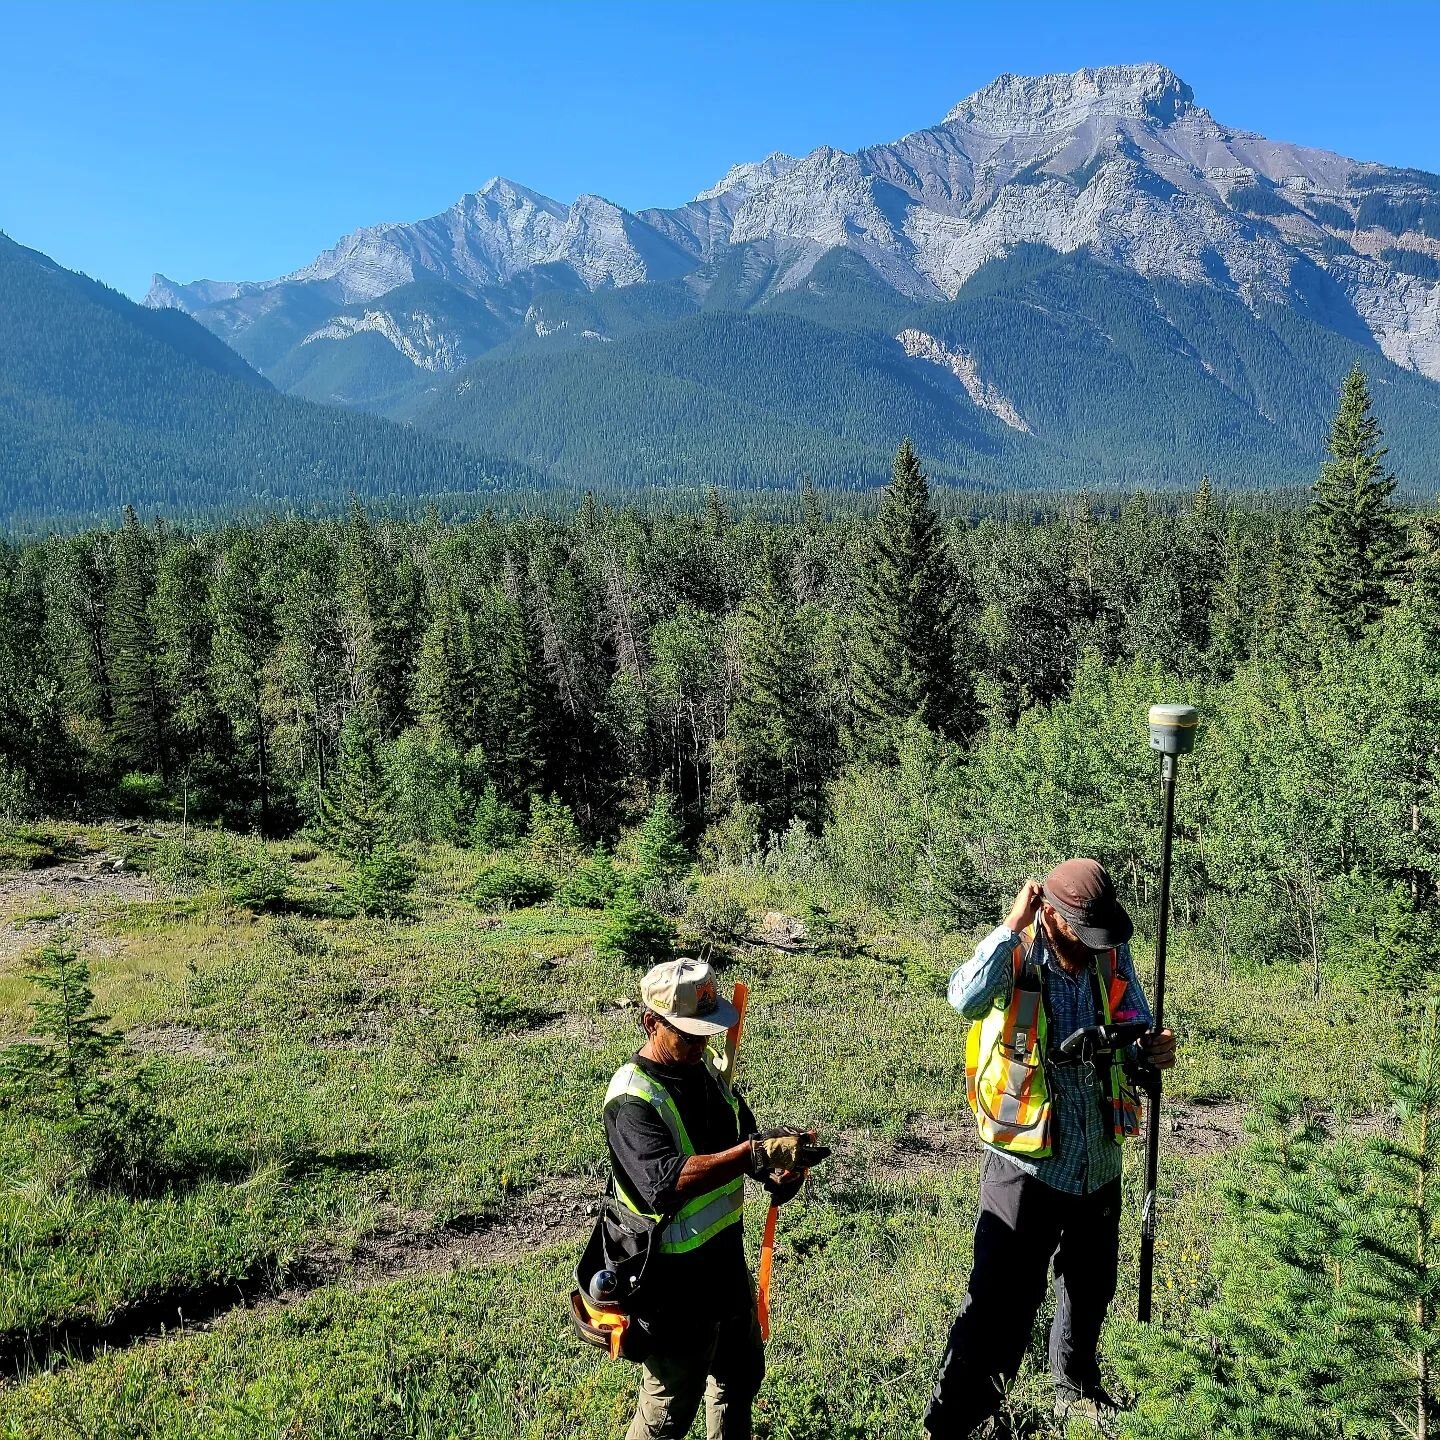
(1005, 1079)
(703, 1217)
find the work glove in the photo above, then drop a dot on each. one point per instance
(785, 1148)
(782, 1186)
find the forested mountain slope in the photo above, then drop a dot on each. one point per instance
(1046, 370)
(104, 402)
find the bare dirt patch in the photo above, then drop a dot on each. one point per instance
(594, 1032)
(1201, 1128)
(176, 1040)
(91, 877)
(556, 1210)
(927, 1146)
(56, 897)
(1206, 1127)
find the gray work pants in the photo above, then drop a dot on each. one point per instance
(722, 1363)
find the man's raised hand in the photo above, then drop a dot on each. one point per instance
(1027, 903)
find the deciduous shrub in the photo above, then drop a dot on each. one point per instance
(241, 867)
(720, 907)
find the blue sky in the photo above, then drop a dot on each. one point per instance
(234, 141)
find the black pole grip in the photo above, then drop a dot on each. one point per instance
(1148, 1218)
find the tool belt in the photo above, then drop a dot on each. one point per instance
(615, 1326)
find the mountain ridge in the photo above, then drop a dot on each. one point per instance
(1288, 256)
(1117, 159)
(104, 404)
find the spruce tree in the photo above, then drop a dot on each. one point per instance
(383, 615)
(242, 649)
(521, 705)
(74, 1075)
(1322, 1324)
(308, 667)
(774, 729)
(717, 517)
(1199, 569)
(907, 656)
(1354, 544)
(355, 811)
(1409, 1207)
(140, 703)
(63, 1072)
(77, 584)
(447, 680)
(632, 932)
(661, 858)
(357, 821)
(183, 619)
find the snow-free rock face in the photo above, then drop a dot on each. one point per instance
(1025, 104)
(1118, 160)
(966, 369)
(414, 336)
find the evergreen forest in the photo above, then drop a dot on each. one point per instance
(396, 811)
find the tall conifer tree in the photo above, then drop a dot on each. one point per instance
(447, 683)
(774, 725)
(243, 645)
(907, 660)
(355, 814)
(183, 619)
(1354, 544)
(138, 694)
(382, 614)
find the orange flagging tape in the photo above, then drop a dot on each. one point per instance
(767, 1259)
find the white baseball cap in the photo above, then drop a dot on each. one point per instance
(683, 992)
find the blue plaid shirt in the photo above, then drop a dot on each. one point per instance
(1083, 1153)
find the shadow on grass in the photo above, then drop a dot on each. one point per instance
(309, 907)
(23, 1354)
(201, 1165)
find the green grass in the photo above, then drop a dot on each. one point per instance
(26, 847)
(345, 1072)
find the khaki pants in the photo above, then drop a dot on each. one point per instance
(722, 1363)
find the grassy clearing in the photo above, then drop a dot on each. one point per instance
(325, 1075)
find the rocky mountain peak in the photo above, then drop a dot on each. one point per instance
(1117, 161)
(748, 176)
(1035, 104)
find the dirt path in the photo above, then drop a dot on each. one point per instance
(939, 1146)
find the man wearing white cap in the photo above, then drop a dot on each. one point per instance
(682, 1142)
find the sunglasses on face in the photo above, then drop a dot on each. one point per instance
(684, 1035)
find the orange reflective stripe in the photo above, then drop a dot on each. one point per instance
(1004, 1077)
(1124, 1103)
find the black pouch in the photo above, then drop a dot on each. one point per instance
(624, 1244)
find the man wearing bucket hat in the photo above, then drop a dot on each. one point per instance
(1052, 1123)
(682, 1143)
